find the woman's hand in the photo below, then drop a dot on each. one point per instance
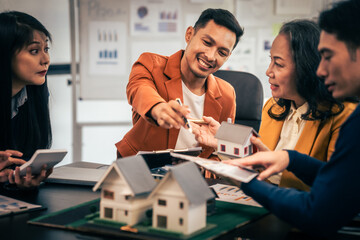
(273, 162)
(28, 181)
(6, 160)
(205, 133)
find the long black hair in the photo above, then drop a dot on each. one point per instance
(304, 38)
(30, 129)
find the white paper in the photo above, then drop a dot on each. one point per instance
(228, 193)
(139, 47)
(243, 57)
(254, 12)
(107, 48)
(222, 169)
(265, 39)
(10, 205)
(293, 7)
(155, 17)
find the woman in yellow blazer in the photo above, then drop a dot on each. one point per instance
(302, 114)
(317, 138)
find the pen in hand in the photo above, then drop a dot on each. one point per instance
(185, 119)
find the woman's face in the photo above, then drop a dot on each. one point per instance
(30, 64)
(281, 71)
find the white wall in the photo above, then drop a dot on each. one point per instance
(98, 142)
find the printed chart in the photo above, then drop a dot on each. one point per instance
(228, 193)
(107, 48)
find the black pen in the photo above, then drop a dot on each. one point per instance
(185, 119)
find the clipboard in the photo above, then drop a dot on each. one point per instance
(160, 158)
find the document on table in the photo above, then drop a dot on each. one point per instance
(13, 206)
(156, 159)
(228, 193)
(241, 174)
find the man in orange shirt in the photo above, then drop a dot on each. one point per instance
(156, 81)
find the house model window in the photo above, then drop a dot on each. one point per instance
(162, 202)
(223, 148)
(181, 205)
(181, 221)
(246, 150)
(236, 151)
(108, 194)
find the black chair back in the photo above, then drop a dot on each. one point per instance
(249, 96)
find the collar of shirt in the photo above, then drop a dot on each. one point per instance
(296, 113)
(17, 101)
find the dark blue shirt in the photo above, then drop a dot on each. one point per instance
(334, 198)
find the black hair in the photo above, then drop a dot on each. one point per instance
(221, 17)
(343, 20)
(32, 127)
(304, 38)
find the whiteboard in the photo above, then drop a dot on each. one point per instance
(103, 48)
(113, 33)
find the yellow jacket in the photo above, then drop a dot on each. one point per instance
(317, 138)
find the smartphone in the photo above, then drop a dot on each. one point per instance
(50, 157)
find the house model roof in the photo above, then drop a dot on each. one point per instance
(135, 172)
(188, 177)
(235, 133)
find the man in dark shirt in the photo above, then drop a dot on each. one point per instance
(334, 199)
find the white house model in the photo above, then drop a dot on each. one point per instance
(234, 140)
(180, 200)
(126, 186)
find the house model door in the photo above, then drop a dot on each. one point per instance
(161, 221)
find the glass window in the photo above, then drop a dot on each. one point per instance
(222, 147)
(236, 151)
(162, 202)
(108, 194)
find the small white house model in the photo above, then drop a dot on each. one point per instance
(126, 186)
(234, 140)
(180, 200)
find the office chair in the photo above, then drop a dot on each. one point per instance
(249, 96)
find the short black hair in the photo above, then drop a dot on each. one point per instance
(343, 20)
(221, 17)
(304, 38)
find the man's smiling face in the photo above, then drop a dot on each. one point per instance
(207, 49)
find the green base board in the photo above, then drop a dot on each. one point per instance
(85, 218)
